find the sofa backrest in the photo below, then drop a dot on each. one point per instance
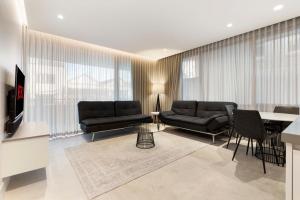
(210, 108)
(184, 107)
(95, 109)
(124, 108)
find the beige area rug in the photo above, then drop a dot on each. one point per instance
(107, 164)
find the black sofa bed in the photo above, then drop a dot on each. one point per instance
(98, 116)
(211, 118)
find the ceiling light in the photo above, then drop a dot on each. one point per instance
(278, 7)
(229, 25)
(61, 17)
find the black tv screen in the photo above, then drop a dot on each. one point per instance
(19, 91)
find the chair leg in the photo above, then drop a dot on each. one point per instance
(248, 146)
(284, 156)
(236, 148)
(230, 135)
(274, 150)
(252, 146)
(262, 156)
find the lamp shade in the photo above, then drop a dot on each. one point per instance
(158, 88)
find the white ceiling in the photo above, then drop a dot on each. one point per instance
(155, 28)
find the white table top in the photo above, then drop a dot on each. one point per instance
(278, 116)
(154, 113)
(292, 133)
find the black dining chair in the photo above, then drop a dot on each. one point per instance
(249, 124)
(287, 109)
(276, 126)
(231, 112)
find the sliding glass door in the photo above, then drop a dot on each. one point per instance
(60, 73)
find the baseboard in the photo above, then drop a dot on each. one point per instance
(3, 186)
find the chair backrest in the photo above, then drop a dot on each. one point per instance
(231, 112)
(287, 109)
(249, 124)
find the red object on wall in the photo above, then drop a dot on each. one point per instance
(20, 94)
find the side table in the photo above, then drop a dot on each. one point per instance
(155, 117)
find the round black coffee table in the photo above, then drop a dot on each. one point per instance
(145, 140)
(145, 132)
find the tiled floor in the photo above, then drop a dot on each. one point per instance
(205, 174)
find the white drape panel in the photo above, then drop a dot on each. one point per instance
(258, 70)
(278, 64)
(61, 72)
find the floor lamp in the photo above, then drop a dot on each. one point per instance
(157, 89)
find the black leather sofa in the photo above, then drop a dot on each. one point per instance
(97, 116)
(206, 117)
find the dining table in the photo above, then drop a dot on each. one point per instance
(282, 117)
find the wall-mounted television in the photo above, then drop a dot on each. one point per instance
(15, 102)
(19, 91)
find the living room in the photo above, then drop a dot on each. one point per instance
(111, 100)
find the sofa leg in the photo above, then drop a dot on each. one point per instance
(93, 137)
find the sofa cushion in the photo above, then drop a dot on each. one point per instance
(185, 125)
(138, 118)
(218, 123)
(166, 114)
(184, 107)
(105, 127)
(208, 109)
(125, 108)
(192, 120)
(108, 123)
(103, 120)
(95, 109)
(109, 120)
(189, 119)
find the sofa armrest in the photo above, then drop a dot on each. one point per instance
(216, 116)
(218, 123)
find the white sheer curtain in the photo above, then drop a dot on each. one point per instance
(278, 64)
(61, 72)
(258, 70)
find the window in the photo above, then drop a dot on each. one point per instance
(125, 81)
(55, 89)
(190, 78)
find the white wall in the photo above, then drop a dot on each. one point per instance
(10, 53)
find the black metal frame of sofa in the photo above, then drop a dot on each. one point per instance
(206, 133)
(93, 133)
